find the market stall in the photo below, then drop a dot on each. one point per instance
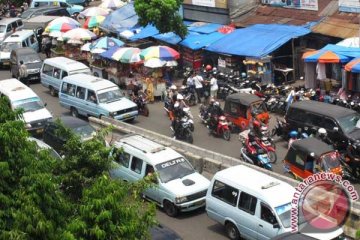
(353, 75)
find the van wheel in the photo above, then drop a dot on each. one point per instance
(52, 91)
(232, 231)
(170, 209)
(74, 112)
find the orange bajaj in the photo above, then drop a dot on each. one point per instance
(309, 156)
(240, 108)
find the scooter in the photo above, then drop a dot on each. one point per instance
(142, 105)
(222, 128)
(203, 114)
(183, 130)
(258, 158)
(190, 118)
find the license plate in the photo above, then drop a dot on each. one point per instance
(127, 115)
(200, 203)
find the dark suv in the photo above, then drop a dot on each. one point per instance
(30, 58)
(46, 11)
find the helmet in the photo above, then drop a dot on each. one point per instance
(214, 69)
(243, 75)
(216, 103)
(256, 124)
(212, 100)
(293, 134)
(176, 105)
(322, 131)
(173, 87)
(180, 97)
(208, 67)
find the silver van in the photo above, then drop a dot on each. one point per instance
(253, 205)
(9, 26)
(87, 95)
(55, 69)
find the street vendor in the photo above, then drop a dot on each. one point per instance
(150, 89)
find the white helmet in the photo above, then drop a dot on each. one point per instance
(173, 87)
(322, 132)
(176, 105)
(216, 103)
(180, 97)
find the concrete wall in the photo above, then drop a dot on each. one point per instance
(209, 161)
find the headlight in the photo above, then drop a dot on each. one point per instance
(180, 199)
(28, 125)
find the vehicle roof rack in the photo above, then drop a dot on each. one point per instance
(141, 143)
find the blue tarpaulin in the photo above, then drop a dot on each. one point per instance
(172, 38)
(121, 19)
(145, 32)
(204, 27)
(196, 42)
(258, 40)
(351, 52)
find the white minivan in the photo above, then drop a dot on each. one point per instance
(19, 39)
(253, 205)
(179, 188)
(87, 95)
(9, 26)
(55, 69)
(35, 115)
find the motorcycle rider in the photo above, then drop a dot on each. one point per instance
(322, 135)
(293, 137)
(178, 113)
(215, 112)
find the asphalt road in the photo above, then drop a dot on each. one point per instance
(194, 225)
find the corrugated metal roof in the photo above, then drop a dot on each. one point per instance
(335, 27)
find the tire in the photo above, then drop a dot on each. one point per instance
(145, 111)
(74, 112)
(189, 137)
(170, 209)
(227, 134)
(52, 91)
(231, 231)
(272, 157)
(192, 127)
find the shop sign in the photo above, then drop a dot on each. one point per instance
(349, 6)
(205, 3)
(221, 63)
(298, 4)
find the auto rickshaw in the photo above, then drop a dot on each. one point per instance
(240, 108)
(309, 156)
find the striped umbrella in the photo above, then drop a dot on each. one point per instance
(127, 55)
(106, 43)
(60, 27)
(61, 20)
(353, 66)
(93, 21)
(162, 52)
(79, 34)
(112, 4)
(324, 56)
(94, 11)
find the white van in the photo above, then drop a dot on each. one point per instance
(9, 26)
(252, 204)
(35, 115)
(92, 96)
(55, 69)
(179, 188)
(19, 39)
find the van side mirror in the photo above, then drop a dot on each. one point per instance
(336, 129)
(276, 225)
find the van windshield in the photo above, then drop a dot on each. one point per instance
(348, 123)
(9, 46)
(2, 28)
(29, 104)
(110, 96)
(31, 58)
(174, 169)
(284, 213)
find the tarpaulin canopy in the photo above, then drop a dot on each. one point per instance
(145, 32)
(196, 42)
(325, 56)
(353, 66)
(258, 40)
(201, 27)
(172, 38)
(351, 52)
(121, 19)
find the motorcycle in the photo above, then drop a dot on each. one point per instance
(203, 114)
(183, 130)
(189, 95)
(280, 129)
(258, 158)
(190, 118)
(142, 105)
(222, 128)
(167, 108)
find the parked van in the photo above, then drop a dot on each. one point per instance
(252, 204)
(55, 69)
(91, 96)
(73, 10)
(179, 187)
(8, 26)
(30, 58)
(19, 39)
(340, 123)
(35, 114)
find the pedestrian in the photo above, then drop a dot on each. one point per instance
(53, 42)
(213, 86)
(23, 73)
(46, 43)
(12, 12)
(26, 5)
(198, 80)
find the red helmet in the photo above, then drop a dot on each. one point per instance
(208, 67)
(256, 124)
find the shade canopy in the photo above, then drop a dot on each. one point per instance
(325, 56)
(94, 11)
(353, 66)
(121, 19)
(106, 43)
(164, 53)
(93, 21)
(154, 63)
(112, 4)
(79, 34)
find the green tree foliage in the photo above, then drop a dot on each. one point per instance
(163, 14)
(73, 198)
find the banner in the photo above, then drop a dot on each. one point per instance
(298, 4)
(205, 3)
(349, 6)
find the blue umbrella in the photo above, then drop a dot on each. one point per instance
(106, 43)
(108, 54)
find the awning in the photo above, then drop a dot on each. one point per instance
(258, 40)
(353, 66)
(196, 42)
(145, 32)
(172, 38)
(206, 28)
(121, 19)
(325, 56)
(351, 52)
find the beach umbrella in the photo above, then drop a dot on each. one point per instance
(94, 11)
(324, 56)
(97, 50)
(60, 27)
(106, 43)
(85, 47)
(162, 52)
(154, 63)
(79, 34)
(127, 55)
(61, 20)
(350, 42)
(171, 63)
(56, 34)
(127, 34)
(353, 66)
(93, 21)
(108, 53)
(112, 4)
